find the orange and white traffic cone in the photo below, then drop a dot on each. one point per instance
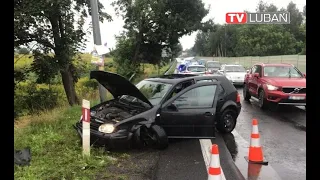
(255, 149)
(214, 168)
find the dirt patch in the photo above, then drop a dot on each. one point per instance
(134, 165)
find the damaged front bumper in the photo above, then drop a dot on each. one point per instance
(121, 138)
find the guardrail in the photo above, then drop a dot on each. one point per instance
(298, 60)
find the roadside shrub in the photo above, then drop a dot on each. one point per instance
(86, 88)
(31, 98)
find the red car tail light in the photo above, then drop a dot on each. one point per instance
(238, 98)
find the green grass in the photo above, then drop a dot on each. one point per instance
(55, 145)
(55, 148)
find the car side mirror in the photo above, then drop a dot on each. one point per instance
(172, 107)
(305, 75)
(256, 75)
(248, 71)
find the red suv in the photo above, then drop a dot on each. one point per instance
(275, 84)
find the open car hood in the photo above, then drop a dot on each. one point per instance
(118, 85)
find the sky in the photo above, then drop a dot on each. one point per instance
(218, 9)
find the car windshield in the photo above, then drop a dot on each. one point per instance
(196, 69)
(213, 65)
(235, 69)
(153, 91)
(282, 72)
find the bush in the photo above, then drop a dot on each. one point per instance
(32, 98)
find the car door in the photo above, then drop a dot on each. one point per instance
(255, 80)
(191, 113)
(251, 78)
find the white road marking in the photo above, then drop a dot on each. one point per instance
(205, 148)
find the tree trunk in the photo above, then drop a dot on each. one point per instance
(69, 86)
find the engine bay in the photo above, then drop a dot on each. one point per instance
(114, 111)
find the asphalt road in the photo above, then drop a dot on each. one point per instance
(283, 139)
(283, 136)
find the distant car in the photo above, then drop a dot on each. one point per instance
(275, 84)
(182, 68)
(202, 62)
(170, 106)
(235, 73)
(195, 69)
(213, 66)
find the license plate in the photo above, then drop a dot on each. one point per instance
(296, 97)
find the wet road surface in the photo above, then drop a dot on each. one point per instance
(283, 136)
(283, 139)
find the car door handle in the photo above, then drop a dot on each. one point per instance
(221, 99)
(208, 114)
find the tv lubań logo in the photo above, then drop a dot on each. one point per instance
(258, 18)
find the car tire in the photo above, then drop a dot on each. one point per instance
(161, 137)
(263, 103)
(246, 93)
(227, 121)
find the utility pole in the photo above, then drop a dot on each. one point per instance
(97, 41)
(225, 40)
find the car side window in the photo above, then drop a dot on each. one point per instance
(253, 69)
(179, 87)
(199, 97)
(220, 88)
(258, 70)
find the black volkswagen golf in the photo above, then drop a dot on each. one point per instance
(155, 109)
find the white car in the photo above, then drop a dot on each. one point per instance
(195, 69)
(234, 72)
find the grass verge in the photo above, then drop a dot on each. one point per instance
(55, 148)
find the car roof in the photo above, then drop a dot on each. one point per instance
(196, 65)
(177, 78)
(232, 65)
(275, 64)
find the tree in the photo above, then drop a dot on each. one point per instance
(255, 40)
(264, 40)
(56, 27)
(23, 50)
(176, 50)
(154, 25)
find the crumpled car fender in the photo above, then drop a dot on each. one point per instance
(136, 130)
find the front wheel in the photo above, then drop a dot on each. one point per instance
(263, 104)
(227, 121)
(246, 93)
(154, 137)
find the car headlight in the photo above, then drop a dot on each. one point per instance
(271, 87)
(106, 128)
(92, 113)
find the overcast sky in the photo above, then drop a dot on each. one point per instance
(218, 10)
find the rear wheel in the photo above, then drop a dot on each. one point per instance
(246, 93)
(227, 121)
(263, 103)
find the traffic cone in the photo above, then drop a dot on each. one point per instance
(255, 149)
(214, 168)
